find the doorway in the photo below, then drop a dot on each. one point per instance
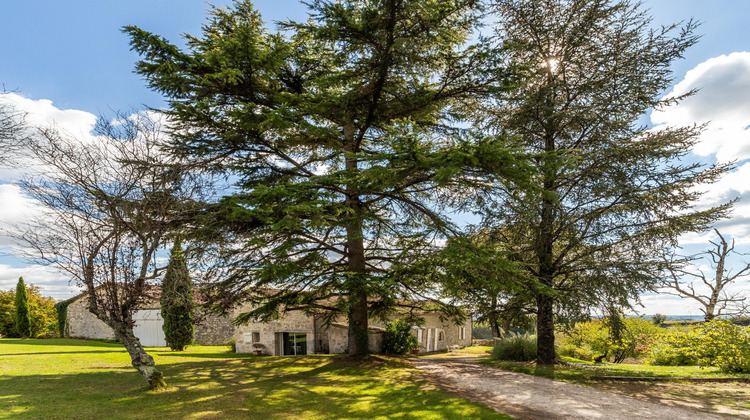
(294, 343)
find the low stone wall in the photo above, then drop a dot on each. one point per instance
(477, 342)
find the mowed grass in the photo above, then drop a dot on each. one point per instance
(66, 378)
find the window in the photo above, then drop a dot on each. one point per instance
(462, 333)
(253, 337)
(441, 337)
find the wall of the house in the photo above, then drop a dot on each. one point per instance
(213, 330)
(451, 333)
(269, 332)
(210, 331)
(83, 324)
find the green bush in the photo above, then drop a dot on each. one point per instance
(232, 344)
(398, 338)
(595, 339)
(581, 353)
(672, 348)
(515, 347)
(41, 311)
(590, 337)
(718, 343)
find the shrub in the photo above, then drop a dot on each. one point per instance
(515, 347)
(671, 348)
(232, 344)
(724, 345)
(587, 337)
(581, 353)
(41, 311)
(398, 338)
(718, 343)
(597, 339)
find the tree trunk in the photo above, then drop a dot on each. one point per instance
(358, 335)
(141, 360)
(357, 287)
(506, 326)
(494, 326)
(545, 330)
(545, 319)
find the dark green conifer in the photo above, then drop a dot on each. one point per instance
(177, 301)
(23, 313)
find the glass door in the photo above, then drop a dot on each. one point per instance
(294, 343)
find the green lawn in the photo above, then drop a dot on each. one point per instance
(65, 378)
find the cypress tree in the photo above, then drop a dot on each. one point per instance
(23, 313)
(177, 301)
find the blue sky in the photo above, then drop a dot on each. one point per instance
(73, 54)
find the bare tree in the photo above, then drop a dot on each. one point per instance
(108, 204)
(12, 128)
(708, 290)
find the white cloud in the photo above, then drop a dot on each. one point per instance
(15, 210)
(722, 100)
(43, 113)
(52, 282)
(668, 305)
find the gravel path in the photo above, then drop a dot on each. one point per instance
(533, 397)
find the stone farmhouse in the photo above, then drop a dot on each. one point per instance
(296, 333)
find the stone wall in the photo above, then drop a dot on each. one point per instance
(213, 330)
(210, 331)
(84, 324)
(269, 332)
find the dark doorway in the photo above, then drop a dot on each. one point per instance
(294, 343)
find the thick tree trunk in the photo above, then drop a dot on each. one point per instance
(545, 318)
(358, 335)
(357, 287)
(141, 360)
(506, 326)
(545, 330)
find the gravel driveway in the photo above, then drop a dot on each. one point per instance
(533, 397)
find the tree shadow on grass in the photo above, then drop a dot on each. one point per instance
(61, 352)
(279, 387)
(72, 342)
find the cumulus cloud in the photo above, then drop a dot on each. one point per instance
(15, 210)
(722, 100)
(52, 282)
(43, 113)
